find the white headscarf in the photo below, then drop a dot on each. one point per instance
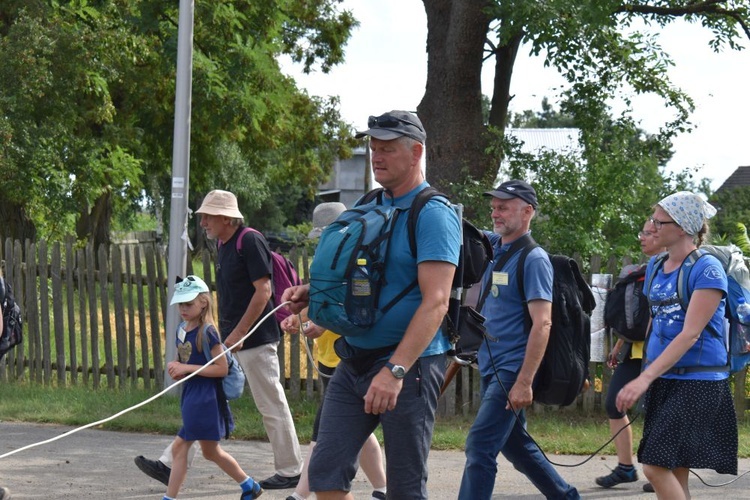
(688, 209)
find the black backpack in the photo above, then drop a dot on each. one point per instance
(12, 332)
(476, 249)
(626, 310)
(565, 366)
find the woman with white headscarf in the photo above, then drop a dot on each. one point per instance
(689, 413)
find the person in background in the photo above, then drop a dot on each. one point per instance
(243, 281)
(508, 366)
(689, 413)
(4, 492)
(392, 373)
(628, 369)
(370, 458)
(205, 413)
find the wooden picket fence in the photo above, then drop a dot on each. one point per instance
(96, 317)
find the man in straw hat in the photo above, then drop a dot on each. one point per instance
(243, 281)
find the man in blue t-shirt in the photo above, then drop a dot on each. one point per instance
(398, 386)
(508, 364)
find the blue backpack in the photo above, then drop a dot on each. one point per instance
(233, 383)
(358, 233)
(738, 286)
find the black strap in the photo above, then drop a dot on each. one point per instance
(520, 243)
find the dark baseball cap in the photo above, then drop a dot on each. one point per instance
(393, 125)
(515, 189)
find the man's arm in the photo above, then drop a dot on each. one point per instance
(254, 309)
(521, 394)
(435, 279)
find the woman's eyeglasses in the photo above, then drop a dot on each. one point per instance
(642, 235)
(659, 223)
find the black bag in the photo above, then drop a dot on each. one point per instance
(564, 369)
(468, 335)
(626, 310)
(12, 332)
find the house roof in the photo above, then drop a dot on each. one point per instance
(559, 140)
(740, 178)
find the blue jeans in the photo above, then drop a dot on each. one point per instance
(496, 430)
(407, 429)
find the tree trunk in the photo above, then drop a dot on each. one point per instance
(505, 58)
(451, 108)
(16, 224)
(94, 225)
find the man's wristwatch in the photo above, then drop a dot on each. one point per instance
(397, 371)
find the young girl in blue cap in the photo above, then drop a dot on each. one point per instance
(205, 415)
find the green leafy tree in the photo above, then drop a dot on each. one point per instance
(87, 105)
(594, 45)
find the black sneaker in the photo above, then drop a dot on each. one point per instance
(378, 495)
(648, 488)
(4, 493)
(617, 476)
(277, 482)
(154, 469)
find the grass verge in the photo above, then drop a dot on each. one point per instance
(556, 432)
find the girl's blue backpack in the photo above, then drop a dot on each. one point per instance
(233, 383)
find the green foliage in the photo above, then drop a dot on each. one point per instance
(733, 209)
(595, 201)
(87, 103)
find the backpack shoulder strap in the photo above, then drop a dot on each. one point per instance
(417, 204)
(370, 196)
(238, 243)
(658, 264)
(520, 281)
(523, 242)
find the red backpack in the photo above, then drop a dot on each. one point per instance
(284, 274)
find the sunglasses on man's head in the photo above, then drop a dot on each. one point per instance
(388, 121)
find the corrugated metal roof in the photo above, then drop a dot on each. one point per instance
(559, 140)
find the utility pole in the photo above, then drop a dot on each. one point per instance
(178, 216)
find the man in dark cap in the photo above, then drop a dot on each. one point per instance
(399, 391)
(510, 363)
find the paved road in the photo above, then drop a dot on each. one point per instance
(99, 464)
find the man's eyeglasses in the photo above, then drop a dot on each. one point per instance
(388, 121)
(659, 223)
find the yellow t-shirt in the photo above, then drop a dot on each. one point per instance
(326, 354)
(636, 350)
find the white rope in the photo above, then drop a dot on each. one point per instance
(309, 352)
(152, 398)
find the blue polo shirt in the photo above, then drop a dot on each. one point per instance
(503, 308)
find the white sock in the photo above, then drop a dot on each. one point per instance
(296, 496)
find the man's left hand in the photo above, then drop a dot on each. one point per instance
(520, 396)
(232, 339)
(383, 392)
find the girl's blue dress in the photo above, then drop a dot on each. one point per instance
(205, 414)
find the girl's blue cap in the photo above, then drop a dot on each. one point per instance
(188, 289)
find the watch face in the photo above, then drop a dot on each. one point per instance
(398, 371)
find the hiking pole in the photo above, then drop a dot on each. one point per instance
(454, 303)
(450, 374)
